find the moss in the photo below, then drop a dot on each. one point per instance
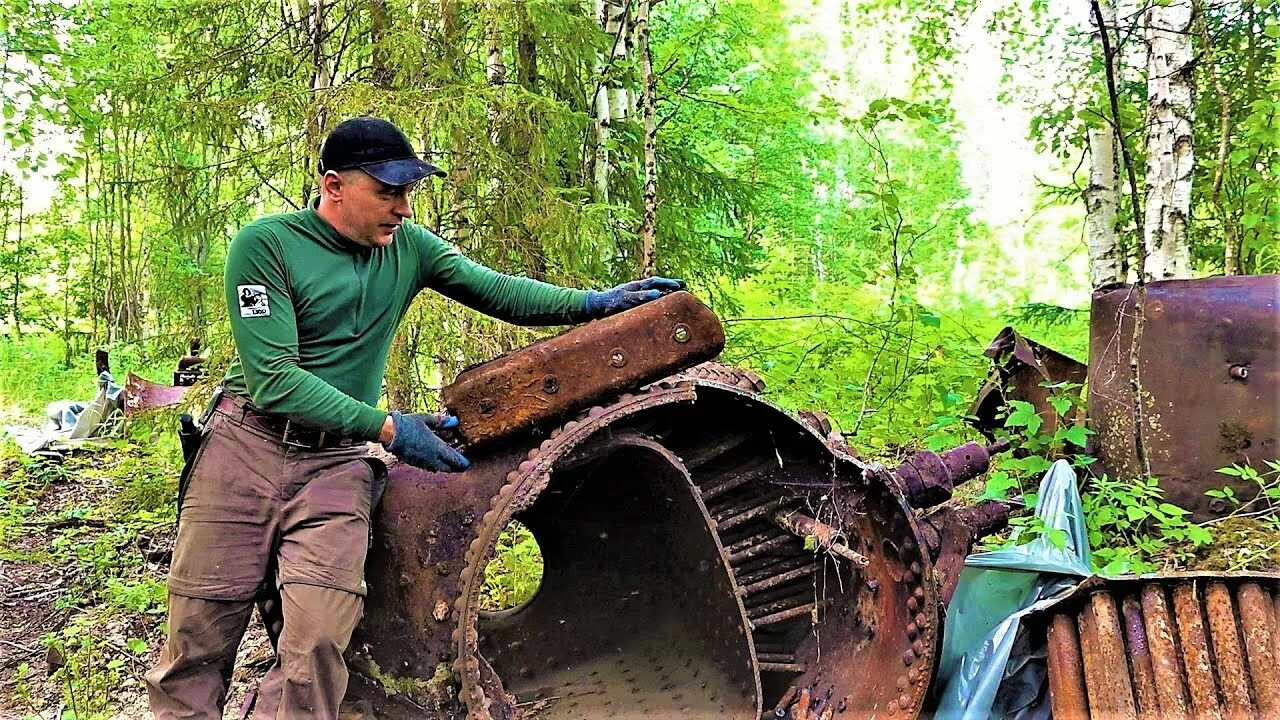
(439, 689)
(1241, 544)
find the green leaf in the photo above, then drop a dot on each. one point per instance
(1077, 435)
(1060, 403)
(930, 320)
(1024, 415)
(1198, 535)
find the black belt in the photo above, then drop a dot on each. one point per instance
(282, 429)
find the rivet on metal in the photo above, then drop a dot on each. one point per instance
(617, 357)
(681, 334)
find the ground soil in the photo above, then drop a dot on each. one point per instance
(37, 598)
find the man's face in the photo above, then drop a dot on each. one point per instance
(367, 210)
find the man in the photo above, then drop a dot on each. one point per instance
(282, 481)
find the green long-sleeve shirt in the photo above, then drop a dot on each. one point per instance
(313, 314)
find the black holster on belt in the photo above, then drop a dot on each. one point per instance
(191, 435)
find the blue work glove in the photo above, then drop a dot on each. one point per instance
(417, 445)
(624, 297)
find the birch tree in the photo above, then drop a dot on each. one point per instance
(611, 99)
(1170, 150)
(1106, 255)
(649, 105)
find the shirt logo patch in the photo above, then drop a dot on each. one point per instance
(253, 301)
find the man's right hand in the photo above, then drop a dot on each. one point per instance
(416, 444)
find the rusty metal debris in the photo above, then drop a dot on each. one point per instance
(1210, 383)
(1189, 645)
(1021, 368)
(549, 381)
(141, 394)
(673, 522)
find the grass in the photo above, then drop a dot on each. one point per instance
(32, 373)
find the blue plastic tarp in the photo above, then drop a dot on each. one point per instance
(988, 668)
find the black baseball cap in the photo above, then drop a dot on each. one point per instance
(377, 147)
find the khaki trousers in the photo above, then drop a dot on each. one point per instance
(253, 504)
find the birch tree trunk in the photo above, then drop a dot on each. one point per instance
(320, 82)
(649, 105)
(1106, 259)
(1170, 156)
(495, 69)
(612, 17)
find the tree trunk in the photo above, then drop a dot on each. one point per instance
(495, 69)
(379, 23)
(459, 179)
(612, 17)
(1107, 261)
(1100, 199)
(649, 104)
(526, 49)
(317, 122)
(17, 268)
(1170, 156)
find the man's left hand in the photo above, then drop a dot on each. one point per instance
(601, 303)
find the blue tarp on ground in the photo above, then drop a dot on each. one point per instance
(988, 669)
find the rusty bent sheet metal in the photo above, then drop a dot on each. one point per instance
(1020, 369)
(141, 394)
(1210, 383)
(553, 379)
(1166, 647)
(677, 580)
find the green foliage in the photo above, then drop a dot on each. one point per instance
(1268, 490)
(1132, 529)
(515, 573)
(92, 670)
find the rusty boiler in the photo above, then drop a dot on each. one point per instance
(1210, 383)
(706, 554)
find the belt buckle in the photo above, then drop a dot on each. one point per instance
(284, 439)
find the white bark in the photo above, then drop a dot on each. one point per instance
(649, 103)
(619, 100)
(495, 71)
(1106, 257)
(1170, 157)
(611, 101)
(1101, 199)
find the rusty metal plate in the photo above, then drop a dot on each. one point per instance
(141, 394)
(1191, 645)
(553, 379)
(1020, 368)
(1211, 384)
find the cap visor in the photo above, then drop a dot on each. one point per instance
(401, 172)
